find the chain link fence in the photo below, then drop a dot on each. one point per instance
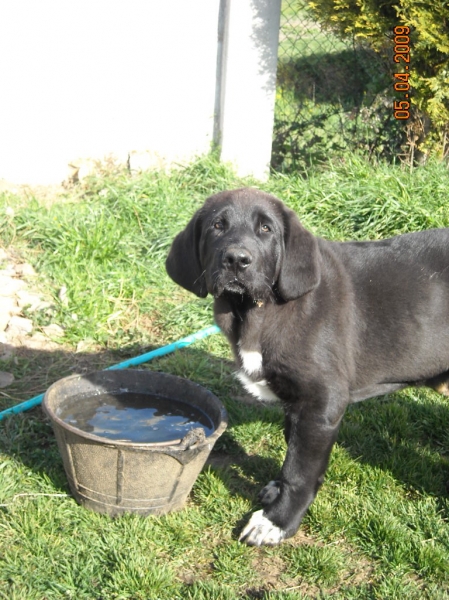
(332, 96)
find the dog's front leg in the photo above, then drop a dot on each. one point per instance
(310, 440)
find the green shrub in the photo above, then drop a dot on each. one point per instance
(429, 49)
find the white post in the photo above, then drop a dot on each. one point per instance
(248, 84)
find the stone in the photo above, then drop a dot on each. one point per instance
(30, 300)
(62, 295)
(53, 330)
(38, 341)
(19, 326)
(79, 170)
(8, 305)
(10, 285)
(6, 351)
(144, 161)
(6, 379)
(4, 320)
(25, 270)
(85, 346)
(8, 308)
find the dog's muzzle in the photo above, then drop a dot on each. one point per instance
(234, 265)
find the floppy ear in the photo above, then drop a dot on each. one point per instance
(183, 262)
(300, 268)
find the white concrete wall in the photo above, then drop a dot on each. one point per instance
(93, 78)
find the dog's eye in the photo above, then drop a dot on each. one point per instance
(265, 228)
(218, 225)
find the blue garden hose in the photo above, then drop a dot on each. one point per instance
(132, 362)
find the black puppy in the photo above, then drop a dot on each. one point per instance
(316, 324)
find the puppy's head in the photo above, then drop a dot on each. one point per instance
(247, 243)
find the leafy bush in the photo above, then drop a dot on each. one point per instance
(429, 49)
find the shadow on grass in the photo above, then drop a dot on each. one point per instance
(406, 434)
(398, 434)
(325, 78)
(344, 78)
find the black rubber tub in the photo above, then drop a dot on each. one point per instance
(116, 476)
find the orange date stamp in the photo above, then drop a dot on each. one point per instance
(401, 84)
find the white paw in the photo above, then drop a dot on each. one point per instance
(261, 531)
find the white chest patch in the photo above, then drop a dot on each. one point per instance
(259, 389)
(252, 361)
(250, 375)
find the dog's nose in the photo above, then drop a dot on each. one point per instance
(237, 258)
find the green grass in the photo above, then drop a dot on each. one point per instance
(379, 527)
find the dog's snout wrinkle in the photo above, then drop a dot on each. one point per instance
(237, 259)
